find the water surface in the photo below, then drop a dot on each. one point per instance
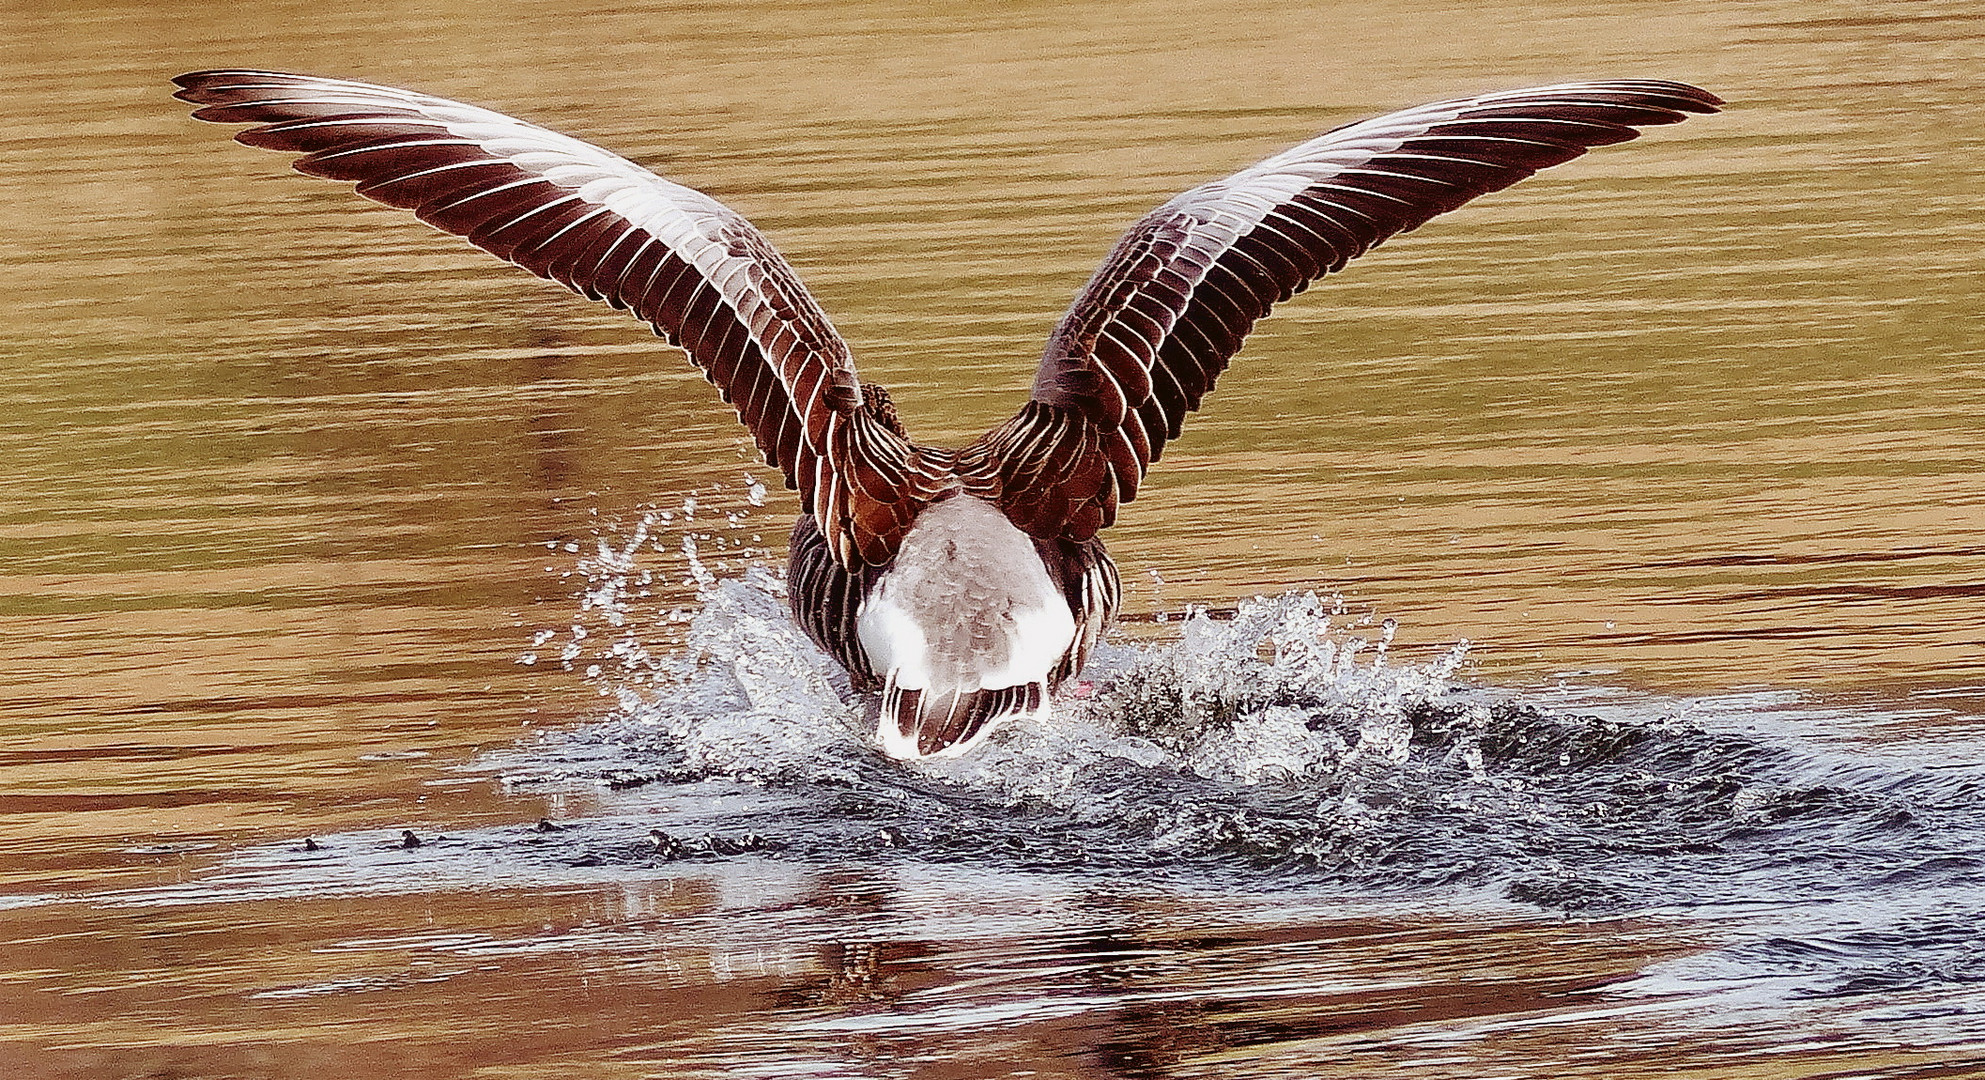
(1681, 438)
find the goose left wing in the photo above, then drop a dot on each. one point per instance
(610, 230)
(1157, 324)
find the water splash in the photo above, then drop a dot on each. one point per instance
(1282, 740)
(631, 572)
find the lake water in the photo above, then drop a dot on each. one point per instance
(1554, 649)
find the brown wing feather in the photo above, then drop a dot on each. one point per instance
(611, 230)
(1148, 336)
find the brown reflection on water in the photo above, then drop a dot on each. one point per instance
(661, 979)
(831, 978)
(1700, 411)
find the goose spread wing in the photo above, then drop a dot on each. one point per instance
(1157, 324)
(611, 230)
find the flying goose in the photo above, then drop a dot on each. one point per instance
(966, 585)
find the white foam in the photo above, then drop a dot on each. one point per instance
(741, 691)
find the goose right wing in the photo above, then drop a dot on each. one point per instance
(1157, 324)
(611, 230)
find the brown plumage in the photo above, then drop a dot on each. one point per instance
(1140, 347)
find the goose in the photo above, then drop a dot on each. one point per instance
(965, 585)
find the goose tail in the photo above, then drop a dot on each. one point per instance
(945, 723)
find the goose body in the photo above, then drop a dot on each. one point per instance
(966, 624)
(965, 585)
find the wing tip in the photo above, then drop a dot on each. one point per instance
(1670, 94)
(196, 80)
(1658, 95)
